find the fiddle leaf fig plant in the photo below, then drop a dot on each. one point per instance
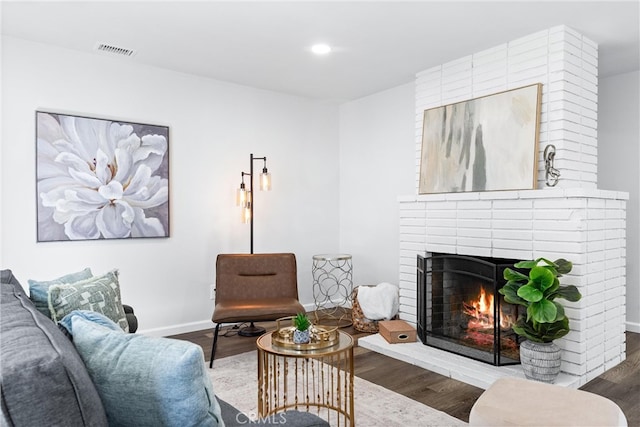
(544, 320)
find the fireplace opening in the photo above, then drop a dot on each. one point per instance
(460, 310)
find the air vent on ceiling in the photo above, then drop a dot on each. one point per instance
(109, 48)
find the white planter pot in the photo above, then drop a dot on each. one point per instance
(540, 361)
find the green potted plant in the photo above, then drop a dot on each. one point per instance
(302, 333)
(537, 286)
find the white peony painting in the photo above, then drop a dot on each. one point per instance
(100, 179)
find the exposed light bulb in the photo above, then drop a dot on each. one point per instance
(265, 180)
(320, 49)
(241, 196)
(246, 214)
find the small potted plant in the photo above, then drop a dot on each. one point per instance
(302, 333)
(544, 320)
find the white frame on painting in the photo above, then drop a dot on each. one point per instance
(100, 179)
(488, 143)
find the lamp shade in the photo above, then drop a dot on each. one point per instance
(246, 213)
(241, 196)
(265, 180)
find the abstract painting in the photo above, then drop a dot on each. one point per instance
(100, 179)
(483, 144)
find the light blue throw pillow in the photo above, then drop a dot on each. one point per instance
(144, 381)
(39, 289)
(91, 316)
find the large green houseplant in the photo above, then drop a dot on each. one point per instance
(536, 286)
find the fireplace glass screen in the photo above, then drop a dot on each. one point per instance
(461, 311)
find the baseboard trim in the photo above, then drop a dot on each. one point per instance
(184, 328)
(633, 327)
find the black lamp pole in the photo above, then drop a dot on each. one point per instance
(251, 199)
(252, 330)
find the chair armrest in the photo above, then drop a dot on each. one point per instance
(131, 318)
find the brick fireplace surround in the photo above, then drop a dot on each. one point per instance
(574, 220)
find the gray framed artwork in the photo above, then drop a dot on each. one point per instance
(483, 144)
(100, 179)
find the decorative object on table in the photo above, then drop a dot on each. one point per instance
(100, 179)
(332, 287)
(302, 334)
(551, 174)
(544, 320)
(483, 144)
(245, 198)
(320, 337)
(397, 331)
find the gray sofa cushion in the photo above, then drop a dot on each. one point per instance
(234, 418)
(43, 377)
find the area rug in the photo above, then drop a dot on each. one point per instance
(235, 381)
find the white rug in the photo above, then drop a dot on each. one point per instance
(235, 381)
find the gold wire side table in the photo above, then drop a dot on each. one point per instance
(318, 380)
(332, 288)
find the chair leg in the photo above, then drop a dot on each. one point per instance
(215, 342)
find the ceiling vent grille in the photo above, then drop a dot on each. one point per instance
(115, 50)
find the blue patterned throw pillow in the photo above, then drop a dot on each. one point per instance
(39, 289)
(100, 294)
(144, 381)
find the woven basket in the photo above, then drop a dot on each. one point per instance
(361, 323)
(540, 361)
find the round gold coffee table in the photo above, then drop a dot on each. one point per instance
(318, 380)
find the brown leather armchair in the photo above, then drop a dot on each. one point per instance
(254, 288)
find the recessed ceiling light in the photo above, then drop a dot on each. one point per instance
(321, 49)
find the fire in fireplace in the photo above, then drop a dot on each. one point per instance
(460, 310)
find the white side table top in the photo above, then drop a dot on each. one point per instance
(331, 257)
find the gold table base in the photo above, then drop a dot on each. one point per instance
(318, 380)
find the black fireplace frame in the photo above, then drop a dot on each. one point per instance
(491, 269)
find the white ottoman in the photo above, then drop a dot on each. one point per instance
(520, 402)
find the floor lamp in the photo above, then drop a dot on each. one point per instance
(244, 198)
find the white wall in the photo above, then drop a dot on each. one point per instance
(325, 198)
(214, 126)
(618, 160)
(377, 165)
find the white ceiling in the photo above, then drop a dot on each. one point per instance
(265, 44)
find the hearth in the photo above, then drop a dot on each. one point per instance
(460, 310)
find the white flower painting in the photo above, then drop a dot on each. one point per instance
(100, 179)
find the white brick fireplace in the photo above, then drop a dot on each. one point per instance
(574, 220)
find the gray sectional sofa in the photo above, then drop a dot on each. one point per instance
(45, 382)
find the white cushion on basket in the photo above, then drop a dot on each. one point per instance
(378, 302)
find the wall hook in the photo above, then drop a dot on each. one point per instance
(552, 175)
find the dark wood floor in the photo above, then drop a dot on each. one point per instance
(620, 384)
